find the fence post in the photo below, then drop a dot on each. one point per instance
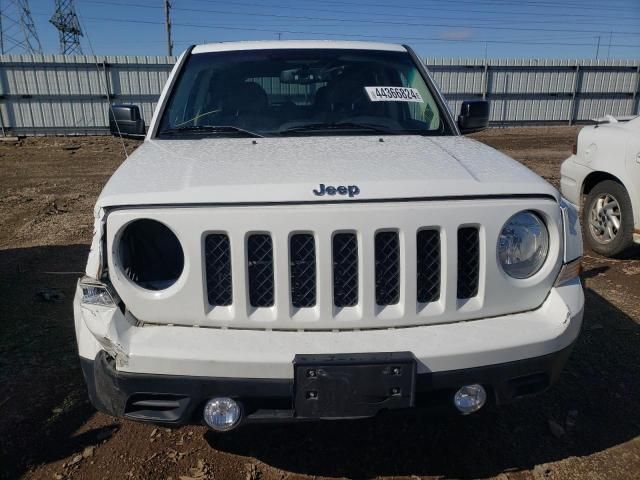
(107, 87)
(107, 82)
(636, 94)
(2, 101)
(485, 80)
(574, 93)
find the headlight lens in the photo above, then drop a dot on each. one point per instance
(97, 293)
(523, 245)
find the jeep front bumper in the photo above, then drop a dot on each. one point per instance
(165, 374)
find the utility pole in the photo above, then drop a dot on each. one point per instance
(598, 47)
(610, 40)
(1, 35)
(167, 22)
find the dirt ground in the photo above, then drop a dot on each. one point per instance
(586, 427)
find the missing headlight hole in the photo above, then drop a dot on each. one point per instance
(150, 254)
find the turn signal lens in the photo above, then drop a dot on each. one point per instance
(569, 271)
(96, 293)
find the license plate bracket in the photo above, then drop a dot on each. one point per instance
(353, 385)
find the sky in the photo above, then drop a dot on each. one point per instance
(434, 28)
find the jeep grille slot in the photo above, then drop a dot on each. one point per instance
(302, 267)
(345, 269)
(217, 255)
(428, 266)
(387, 263)
(260, 270)
(468, 262)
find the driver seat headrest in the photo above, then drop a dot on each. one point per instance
(247, 97)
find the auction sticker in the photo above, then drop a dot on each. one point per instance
(393, 94)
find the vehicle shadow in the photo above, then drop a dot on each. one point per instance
(597, 402)
(631, 253)
(43, 400)
(44, 408)
(595, 271)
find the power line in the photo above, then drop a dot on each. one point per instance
(543, 4)
(300, 32)
(386, 15)
(465, 10)
(516, 3)
(547, 21)
(281, 23)
(366, 21)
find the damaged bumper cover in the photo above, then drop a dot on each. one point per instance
(165, 373)
(179, 400)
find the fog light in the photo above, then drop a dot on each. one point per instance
(222, 414)
(470, 398)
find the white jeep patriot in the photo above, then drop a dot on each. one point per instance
(305, 234)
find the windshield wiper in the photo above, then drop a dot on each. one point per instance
(340, 126)
(209, 129)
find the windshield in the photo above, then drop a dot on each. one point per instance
(301, 92)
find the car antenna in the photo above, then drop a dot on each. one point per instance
(104, 86)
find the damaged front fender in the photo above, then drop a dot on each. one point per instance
(94, 262)
(99, 328)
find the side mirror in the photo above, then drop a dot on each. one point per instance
(125, 120)
(474, 116)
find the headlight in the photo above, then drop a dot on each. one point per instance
(97, 293)
(150, 254)
(523, 245)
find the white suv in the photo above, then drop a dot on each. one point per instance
(605, 169)
(305, 234)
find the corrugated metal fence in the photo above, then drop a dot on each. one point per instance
(55, 94)
(58, 94)
(530, 91)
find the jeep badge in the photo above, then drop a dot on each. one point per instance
(351, 190)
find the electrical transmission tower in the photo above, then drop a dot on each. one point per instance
(17, 30)
(66, 21)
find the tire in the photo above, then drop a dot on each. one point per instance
(599, 223)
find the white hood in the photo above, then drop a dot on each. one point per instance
(288, 169)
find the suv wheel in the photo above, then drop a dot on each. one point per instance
(608, 218)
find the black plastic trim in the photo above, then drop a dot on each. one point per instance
(302, 270)
(516, 196)
(346, 269)
(148, 398)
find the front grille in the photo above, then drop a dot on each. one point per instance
(302, 265)
(468, 262)
(384, 256)
(345, 270)
(217, 257)
(387, 261)
(428, 265)
(339, 266)
(260, 269)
